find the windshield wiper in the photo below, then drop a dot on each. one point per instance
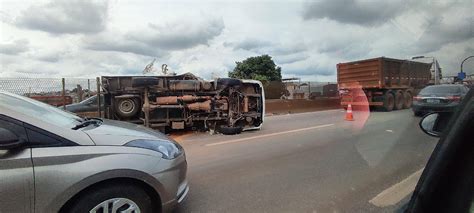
(87, 122)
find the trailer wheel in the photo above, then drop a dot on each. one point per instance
(399, 100)
(408, 100)
(230, 130)
(127, 107)
(388, 102)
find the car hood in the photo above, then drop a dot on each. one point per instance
(119, 133)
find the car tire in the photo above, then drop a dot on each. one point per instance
(417, 113)
(128, 196)
(145, 81)
(399, 100)
(230, 130)
(388, 102)
(127, 107)
(408, 100)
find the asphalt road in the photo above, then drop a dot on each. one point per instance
(308, 162)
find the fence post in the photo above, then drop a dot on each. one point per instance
(98, 97)
(88, 87)
(63, 92)
(309, 90)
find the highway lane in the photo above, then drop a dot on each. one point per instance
(304, 163)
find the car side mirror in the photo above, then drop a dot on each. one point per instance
(9, 140)
(430, 124)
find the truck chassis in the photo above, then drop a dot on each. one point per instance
(224, 105)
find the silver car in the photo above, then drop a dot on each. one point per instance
(54, 161)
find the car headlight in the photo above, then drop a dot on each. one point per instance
(168, 149)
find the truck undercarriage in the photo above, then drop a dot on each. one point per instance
(225, 105)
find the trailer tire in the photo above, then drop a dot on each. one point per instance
(127, 107)
(408, 100)
(388, 102)
(399, 100)
(230, 130)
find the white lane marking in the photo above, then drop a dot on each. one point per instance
(397, 192)
(389, 130)
(268, 135)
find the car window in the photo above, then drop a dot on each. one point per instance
(33, 108)
(310, 104)
(92, 99)
(14, 126)
(441, 90)
(466, 89)
(38, 138)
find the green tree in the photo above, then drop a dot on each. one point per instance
(261, 68)
(264, 69)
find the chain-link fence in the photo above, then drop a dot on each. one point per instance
(54, 91)
(300, 90)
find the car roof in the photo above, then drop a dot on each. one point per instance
(447, 85)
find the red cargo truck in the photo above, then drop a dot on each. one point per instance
(385, 83)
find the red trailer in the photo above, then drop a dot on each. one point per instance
(387, 83)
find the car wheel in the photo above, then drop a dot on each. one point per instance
(417, 113)
(230, 130)
(113, 198)
(388, 102)
(408, 100)
(399, 100)
(126, 107)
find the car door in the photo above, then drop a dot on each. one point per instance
(447, 182)
(16, 172)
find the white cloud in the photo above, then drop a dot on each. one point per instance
(66, 16)
(57, 38)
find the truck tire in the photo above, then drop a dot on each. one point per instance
(230, 130)
(145, 81)
(228, 82)
(408, 100)
(399, 100)
(127, 107)
(388, 102)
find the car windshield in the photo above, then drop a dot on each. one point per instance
(441, 90)
(280, 105)
(32, 108)
(92, 99)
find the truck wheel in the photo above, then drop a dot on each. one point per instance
(230, 130)
(388, 102)
(145, 81)
(399, 100)
(228, 82)
(127, 107)
(408, 100)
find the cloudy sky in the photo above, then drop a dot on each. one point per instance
(89, 38)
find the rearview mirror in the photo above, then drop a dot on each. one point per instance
(8, 139)
(433, 124)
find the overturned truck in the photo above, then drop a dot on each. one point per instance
(224, 105)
